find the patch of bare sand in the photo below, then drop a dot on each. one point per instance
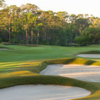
(42, 92)
(89, 55)
(3, 49)
(81, 72)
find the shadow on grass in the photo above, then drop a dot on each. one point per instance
(90, 52)
(89, 62)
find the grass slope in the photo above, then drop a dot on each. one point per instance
(21, 65)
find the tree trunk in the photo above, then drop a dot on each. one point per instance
(27, 40)
(38, 34)
(31, 37)
(9, 30)
(9, 35)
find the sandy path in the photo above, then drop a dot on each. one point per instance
(81, 72)
(89, 55)
(42, 92)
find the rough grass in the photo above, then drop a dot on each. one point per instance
(80, 61)
(17, 73)
(21, 65)
(21, 69)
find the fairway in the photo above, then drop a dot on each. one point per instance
(26, 53)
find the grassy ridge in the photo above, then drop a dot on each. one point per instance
(53, 80)
(80, 61)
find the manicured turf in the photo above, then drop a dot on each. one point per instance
(25, 53)
(21, 65)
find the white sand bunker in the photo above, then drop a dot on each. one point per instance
(81, 72)
(42, 92)
(3, 49)
(89, 55)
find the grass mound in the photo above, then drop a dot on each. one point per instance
(73, 61)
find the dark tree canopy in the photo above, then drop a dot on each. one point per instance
(29, 24)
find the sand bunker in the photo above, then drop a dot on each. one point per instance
(89, 55)
(42, 92)
(3, 49)
(81, 72)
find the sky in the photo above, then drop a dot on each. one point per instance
(91, 7)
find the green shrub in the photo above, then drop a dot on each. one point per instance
(81, 40)
(0, 40)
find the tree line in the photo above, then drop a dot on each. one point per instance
(28, 24)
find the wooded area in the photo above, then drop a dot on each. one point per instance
(29, 24)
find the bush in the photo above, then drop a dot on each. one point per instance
(0, 40)
(82, 40)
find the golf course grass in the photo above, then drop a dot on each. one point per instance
(91, 52)
(21, 65)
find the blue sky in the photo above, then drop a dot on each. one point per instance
(71, 6)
